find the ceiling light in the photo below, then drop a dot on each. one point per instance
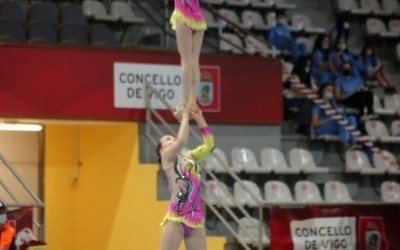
(20, 127)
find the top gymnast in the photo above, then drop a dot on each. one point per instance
(184, 219)
(189, 24)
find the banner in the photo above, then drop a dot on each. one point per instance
(101, 84)
(347, 227)
(130, 80)
(23, 218)
(324, 233)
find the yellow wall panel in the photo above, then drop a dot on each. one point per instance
(115, 206)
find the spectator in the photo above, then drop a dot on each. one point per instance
(371, 67)
(320, 60)
(294, 98)
(350, 90)
(7, 230)
(340, 55)
(281, 37)
(341, 29)
(324, 124)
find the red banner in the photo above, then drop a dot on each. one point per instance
(335, 227)
(74, 83)
(23, 218)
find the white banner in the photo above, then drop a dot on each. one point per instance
(335, 233)
(130, 80)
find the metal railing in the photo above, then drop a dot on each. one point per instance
(17, 202)
(152, 126)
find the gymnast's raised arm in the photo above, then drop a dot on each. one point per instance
(202, 151)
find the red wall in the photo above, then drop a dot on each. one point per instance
(73, 83)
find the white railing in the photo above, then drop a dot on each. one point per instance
(17, 201)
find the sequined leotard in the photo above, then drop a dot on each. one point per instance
(189, 13)
(185, 180)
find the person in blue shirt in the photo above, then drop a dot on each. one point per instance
(324, 124)
(350, 90)
(340, 55)
(281, 37)
(371, 67)
(341, 29)
(320, 61)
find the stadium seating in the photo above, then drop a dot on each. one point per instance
(379, 109)
(101, 36)
(237, 3)
(272, 158)
(245, 159)
(217, 161)
(336, 192)
(395, 128)
(39, 32)
(391, 6)
(261, 3)
(302, 158)
(212, 22)
(123, 11)
(216, 194)
(392, 102)
(248, 231)
(307, 192)
(253, 20)
(11, 32)
(390, 191)
(357, 162)
(231, 43)
(12, 11)
(231, 16)
(244, 197)
(44, 11)
(72, 35)
(387, 162)
(277, 192)
(378, 131)
(95, 9)
(72, 14)
(259, 46)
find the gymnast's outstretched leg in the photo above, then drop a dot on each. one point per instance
(197, 40)
(184, 37)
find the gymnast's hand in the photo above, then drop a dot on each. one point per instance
(179, 111)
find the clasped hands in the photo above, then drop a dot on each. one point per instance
(192, 109)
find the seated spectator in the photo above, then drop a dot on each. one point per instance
(350, 90)
(324, 124)
(371, 68)
(341, 29)
(320, 61)
(294, 98)
(340, 55)
(281, 37)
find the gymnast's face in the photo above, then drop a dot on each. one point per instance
(166, 141)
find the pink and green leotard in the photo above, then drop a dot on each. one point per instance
(185, 180)
(189, 13)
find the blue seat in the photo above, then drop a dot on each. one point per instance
(101, 36)
(41, 33)
(72, 34)
(72, 13)
(45, 12)
(12, 11)
(11, 32)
